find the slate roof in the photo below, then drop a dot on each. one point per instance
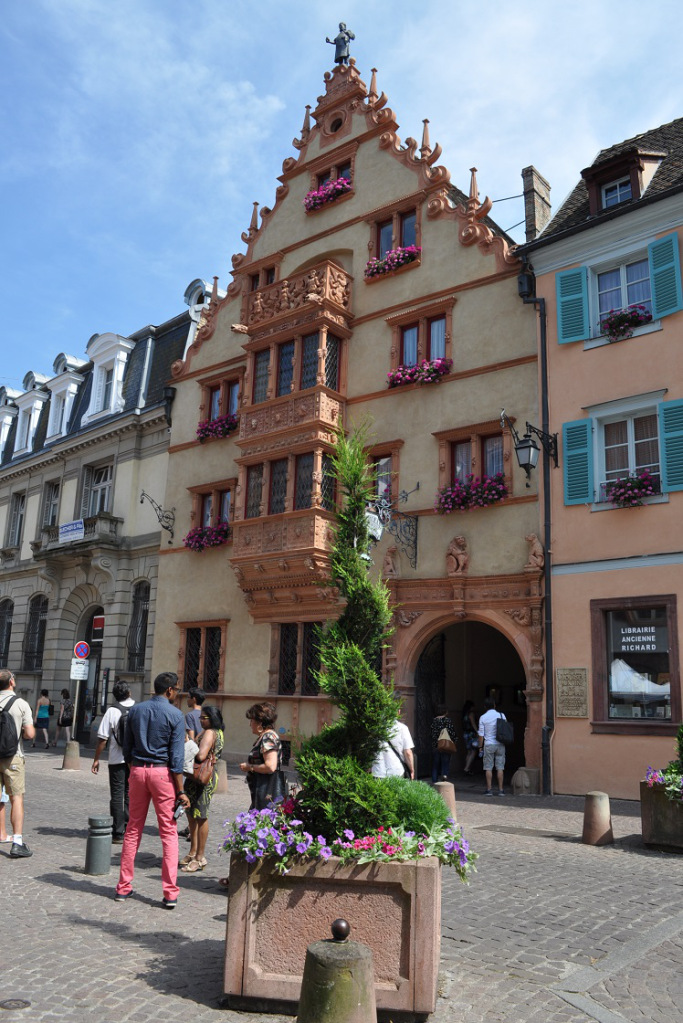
(574, 212)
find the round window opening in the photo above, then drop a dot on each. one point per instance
(336, 124)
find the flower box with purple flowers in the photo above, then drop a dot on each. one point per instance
(326, 194)
(472, 492)
(661, 803)
(394, 260)
(201, 537)
(429, 371)
(620, 323)
(222, 426)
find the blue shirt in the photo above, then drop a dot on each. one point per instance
(192, 721)
(155, 732)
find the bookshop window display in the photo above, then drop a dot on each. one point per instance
(635, 662)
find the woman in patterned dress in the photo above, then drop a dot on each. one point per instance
(210, 738)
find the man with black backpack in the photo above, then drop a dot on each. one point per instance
(113, 729)
(16, 723)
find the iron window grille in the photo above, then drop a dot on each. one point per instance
(137, 633)
(34, 637)
(288, 656)
(6, 614)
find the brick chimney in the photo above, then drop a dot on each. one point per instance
(536, 202)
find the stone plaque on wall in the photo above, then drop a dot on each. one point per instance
(572, 692)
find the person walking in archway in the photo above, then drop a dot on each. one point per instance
(494, 751)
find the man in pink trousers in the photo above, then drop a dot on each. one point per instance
(153, 746)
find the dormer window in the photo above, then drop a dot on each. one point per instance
(63, 388)
(109, 353)
(30, 405)
(616, 192)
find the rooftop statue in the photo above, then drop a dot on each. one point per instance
(341, 44)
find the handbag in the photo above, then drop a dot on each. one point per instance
(203, 772)
(444, 743)
(267, 788)
(505, 732)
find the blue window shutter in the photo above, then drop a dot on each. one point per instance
(572, 305)
(665, 276)
(671, 433)
(577, 450)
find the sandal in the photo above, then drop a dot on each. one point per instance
(193, 866)
(185, 860)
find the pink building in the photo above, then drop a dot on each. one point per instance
(608, 270)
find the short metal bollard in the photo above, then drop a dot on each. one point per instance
(98, 849)
(338, 984)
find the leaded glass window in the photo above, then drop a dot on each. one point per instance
(285, 370)
(332, 362)
(309, 361)
(254, 488)
(328, 484)
(278, 486)
(288, 651)
(310, 659)
(303, 486)
(212, 659)
(261, 365)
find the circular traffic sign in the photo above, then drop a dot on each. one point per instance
(81, 650)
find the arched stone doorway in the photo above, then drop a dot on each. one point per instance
(76, 623)
(468, 661)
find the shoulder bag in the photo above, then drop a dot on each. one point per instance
(444, 743)
(203, 771)
(267, 788)
(505, 732)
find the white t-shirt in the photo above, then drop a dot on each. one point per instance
(106, 730)
(487, 725)
(387, 763)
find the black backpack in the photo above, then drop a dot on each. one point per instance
(9, 740)
(119, 729)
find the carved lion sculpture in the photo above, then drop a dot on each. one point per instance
(457, 558)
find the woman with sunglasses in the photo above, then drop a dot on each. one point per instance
(209, 739)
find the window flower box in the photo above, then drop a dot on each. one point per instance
(326, 194)
(394, 260)
(201, 537)
(631, 491)
(661, 803)
(620, 323)
(223, 426)
(472, 492)
(429, 371)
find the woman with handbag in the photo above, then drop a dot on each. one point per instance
(201, 787)
(264, 777)
(65, 717)
(443, 744)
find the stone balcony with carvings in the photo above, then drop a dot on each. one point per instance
(282, 563)
(325, 284)
(310, 416)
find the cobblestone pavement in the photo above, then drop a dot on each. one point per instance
(549, 930)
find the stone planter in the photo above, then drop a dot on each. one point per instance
(395, 908)
(662, 819)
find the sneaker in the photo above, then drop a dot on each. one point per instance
(489, 792)
(122, 896)
(170, 903)
(18, 852)
(501, 793)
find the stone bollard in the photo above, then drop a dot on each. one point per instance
(338, 984)
(597, 820)
(98, 849)
(221, 776)
(446, 790)
(72, 756)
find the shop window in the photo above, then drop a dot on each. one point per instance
(136, 640)
(635, 663)
(34, 636)
(202, 655)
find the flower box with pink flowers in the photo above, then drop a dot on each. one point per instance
(471, 492)
(201, 537)
(221, 426)
(394, 260)
(327, 193)
(428, 371)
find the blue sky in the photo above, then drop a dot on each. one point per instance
(137, 133)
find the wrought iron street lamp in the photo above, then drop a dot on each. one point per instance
(526, 448)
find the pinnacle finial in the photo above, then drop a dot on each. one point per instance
(306, 127)
(214, 291)
(425, 148)
(373, 95)
(474, 191)
(253, 225)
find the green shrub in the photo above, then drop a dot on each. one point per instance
(417, 805)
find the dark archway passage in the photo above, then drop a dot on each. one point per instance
(468, 661)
